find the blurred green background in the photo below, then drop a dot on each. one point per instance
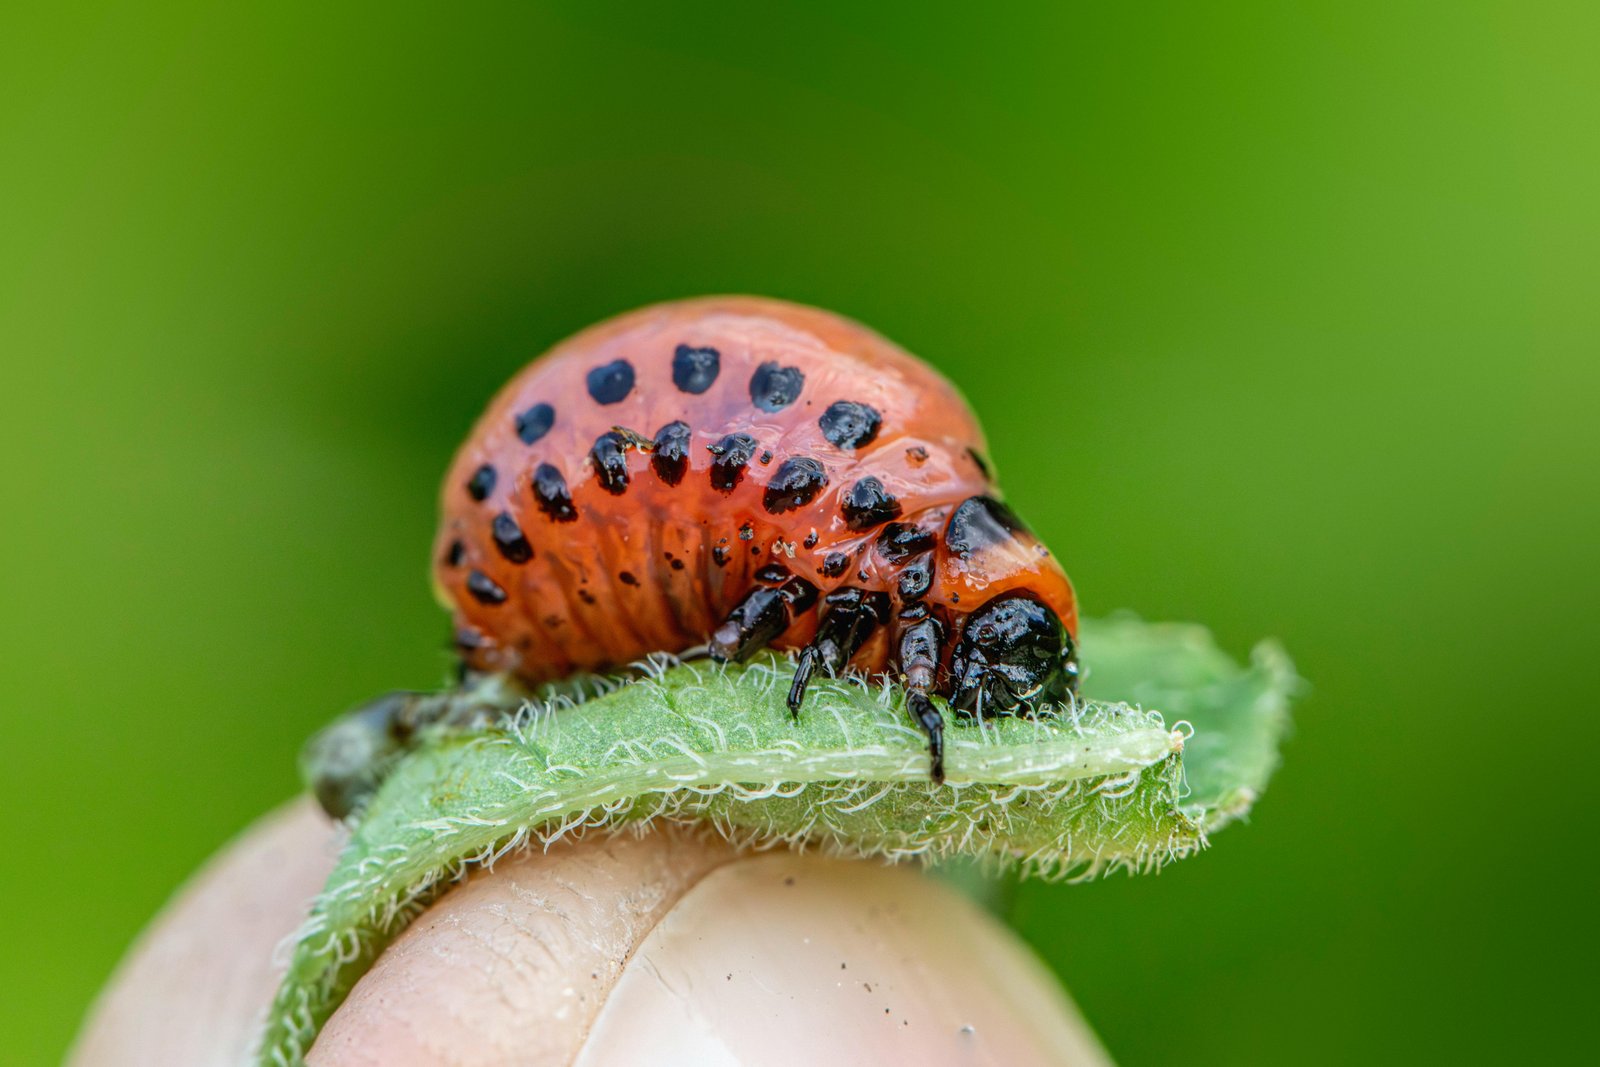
(1281, 317)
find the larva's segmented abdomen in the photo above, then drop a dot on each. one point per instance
(639, 486)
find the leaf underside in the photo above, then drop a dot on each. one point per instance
(1111, 783)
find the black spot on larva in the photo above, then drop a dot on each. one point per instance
(755, 550)
(481, 484)
(869, 504)
(847, 424)
(610, 457)
(627, 578)
(901, 539)
(720, 554)
(914, 612)
(772, 574)
(611, 382)
(677, 564)
(550, 492)
(774, 388)
(695, 369)
(732, 454)
(671, 452)
(916, 578)
(455, 553)
(977, 458)
(469, 638)
(917, 455)
(834, 564)
(586, 596)
(535, 423)
(509, 540)
(979, 522)
(746, 532)
(764, 458)
(795, 483)
(484, 589)
(811, 539)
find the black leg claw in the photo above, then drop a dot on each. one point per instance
(851, 617)
(924, 712)
(802, 678)
(921, 638)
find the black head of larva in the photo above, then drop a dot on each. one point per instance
(694, 370)
(610, 382)
(1013, 651)
(774, 387)
(849, 425)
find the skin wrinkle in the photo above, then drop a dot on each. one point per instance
(597, 900)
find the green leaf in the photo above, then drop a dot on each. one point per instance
(1075, 792)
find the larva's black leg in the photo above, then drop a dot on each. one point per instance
(763, 614)
(803, 671)
(850, 617)
(757, 619)
(920, 642)
(933, 723)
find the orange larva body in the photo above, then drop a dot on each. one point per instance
(628, 491)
